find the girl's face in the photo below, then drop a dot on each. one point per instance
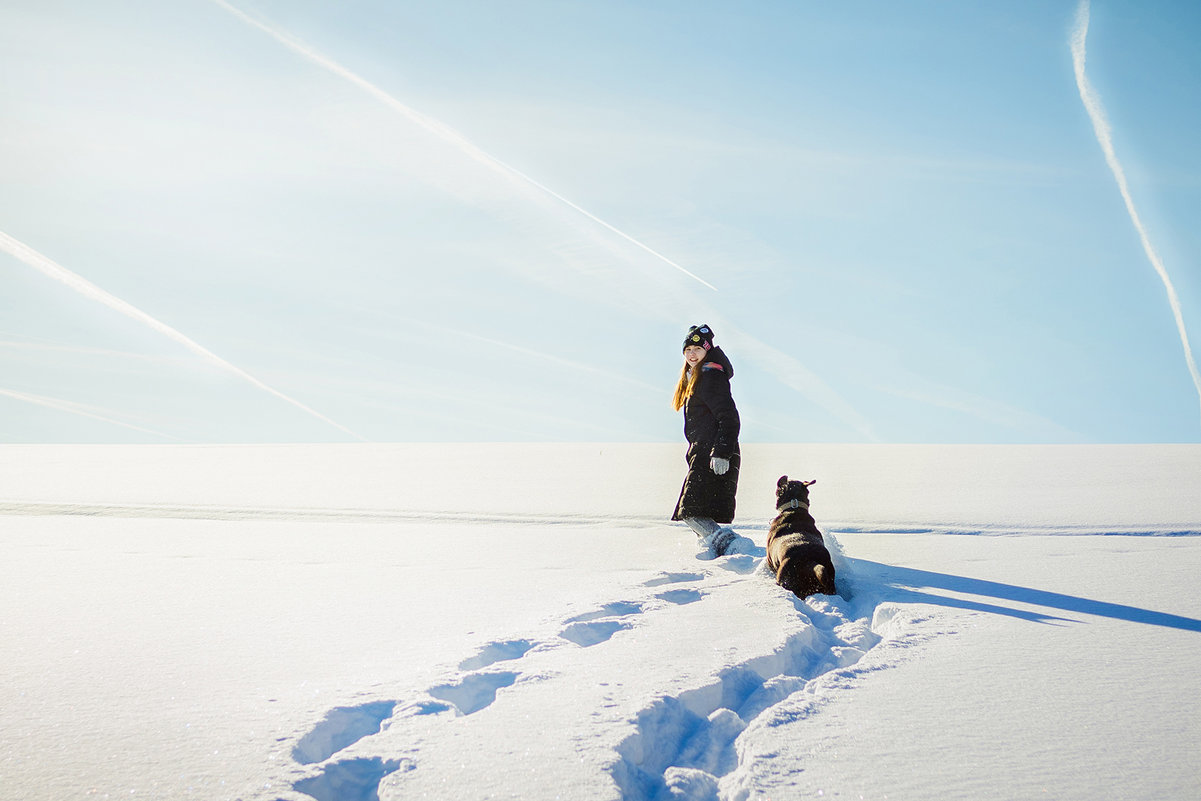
(693, 354)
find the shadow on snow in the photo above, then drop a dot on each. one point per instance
(906, 585)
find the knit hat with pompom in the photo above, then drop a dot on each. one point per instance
(699, 335)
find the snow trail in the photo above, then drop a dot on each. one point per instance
(684, 744)
(1096, 113)
(446, 133)
(352, 779)
(341, 728)
(52, 269)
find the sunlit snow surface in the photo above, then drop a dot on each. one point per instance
(522, 621)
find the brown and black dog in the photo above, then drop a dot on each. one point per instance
(796, 552)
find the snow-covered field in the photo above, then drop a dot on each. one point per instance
(521, 621)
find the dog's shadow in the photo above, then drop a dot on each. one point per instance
(909, 585)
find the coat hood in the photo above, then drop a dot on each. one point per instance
(716, 359)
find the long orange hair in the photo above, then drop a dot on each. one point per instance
(685, 387)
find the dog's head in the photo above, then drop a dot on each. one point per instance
(792, 494)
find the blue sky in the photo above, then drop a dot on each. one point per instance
(483, 221)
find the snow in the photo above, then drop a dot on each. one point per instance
(521, 621)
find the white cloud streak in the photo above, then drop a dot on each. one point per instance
(41, 347)
(445, 132)
(578, 366)
(1096, 113)
(89, 290)
(986, 409)
(75, 408)
(790, 371)
(794, 375)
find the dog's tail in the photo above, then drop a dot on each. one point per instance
(825, 580)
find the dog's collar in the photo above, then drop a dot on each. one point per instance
(793, 504)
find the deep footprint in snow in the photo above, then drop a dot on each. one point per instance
(615, 609)
(351, 780)
(593, 628)
(681, 597)
(673, 578)
(497, 652)
(474, 692)
(586, 635)
(341, 728)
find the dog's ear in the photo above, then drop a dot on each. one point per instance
(783, 480)
(809, 483)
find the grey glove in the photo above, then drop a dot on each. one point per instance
(719, 465)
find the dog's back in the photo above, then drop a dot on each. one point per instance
(796, 552)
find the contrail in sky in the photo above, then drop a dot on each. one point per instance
(443, 131)
(74, 408)
(1096, 112)
(792, 373)
(93, 292)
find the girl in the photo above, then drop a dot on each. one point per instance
(711, 427)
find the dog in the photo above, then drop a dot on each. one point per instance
(796, 552)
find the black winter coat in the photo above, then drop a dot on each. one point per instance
(711, 426)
